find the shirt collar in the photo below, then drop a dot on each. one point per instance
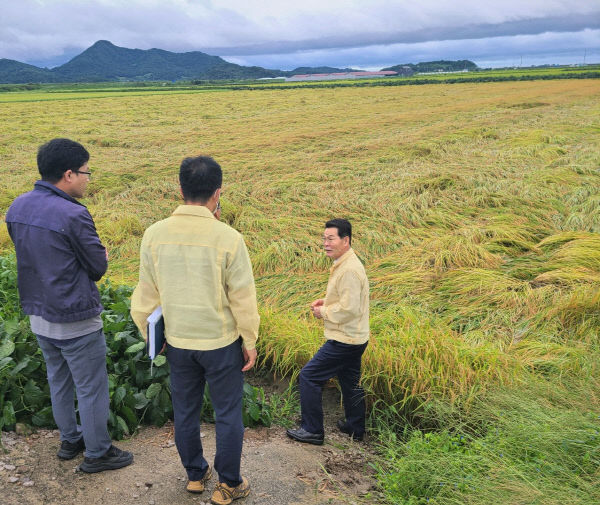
(341, 259)
(193, 210)
(48, 186)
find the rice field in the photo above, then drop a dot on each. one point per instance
(476, 210)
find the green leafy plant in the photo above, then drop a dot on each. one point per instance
(255, 409)
(23, 386)
(137, 395)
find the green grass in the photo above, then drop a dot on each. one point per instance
(536, 444)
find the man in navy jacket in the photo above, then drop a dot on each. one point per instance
(59, 258)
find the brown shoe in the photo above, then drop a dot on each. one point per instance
(197, 486)
(224, 494)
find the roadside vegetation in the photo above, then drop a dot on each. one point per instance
(476, 209)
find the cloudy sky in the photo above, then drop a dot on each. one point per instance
(367, 34)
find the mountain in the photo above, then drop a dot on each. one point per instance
(106, 62)
(15, 72)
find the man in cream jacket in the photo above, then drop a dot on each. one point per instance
(345, 314)
(198, 269)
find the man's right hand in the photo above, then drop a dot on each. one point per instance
(313, 307)
(249, 358)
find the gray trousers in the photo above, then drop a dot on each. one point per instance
(79, 365)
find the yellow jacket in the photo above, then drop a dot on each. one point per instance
(346, 307)
(198, 269)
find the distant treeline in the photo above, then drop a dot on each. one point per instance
(215, 84)
(436, 66)
(411, 82)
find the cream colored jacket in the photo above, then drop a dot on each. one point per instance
(346, 307)
(198, 269)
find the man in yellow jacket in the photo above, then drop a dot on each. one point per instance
(198, 269)
(345, 314)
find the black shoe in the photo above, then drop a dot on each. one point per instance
(113, 459)
(344, 427)
(68, 450)
(301, 435)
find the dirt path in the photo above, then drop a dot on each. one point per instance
(280, 471)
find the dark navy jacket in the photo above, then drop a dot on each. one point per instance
(59, 255)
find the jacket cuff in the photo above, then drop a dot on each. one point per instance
(248, 343)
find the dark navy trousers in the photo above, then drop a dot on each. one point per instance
(190, 371)
(333, 359)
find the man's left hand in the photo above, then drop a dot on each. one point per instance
(249, 358)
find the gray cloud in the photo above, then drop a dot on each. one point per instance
(563, 48)
(341, 32)
(571, 23)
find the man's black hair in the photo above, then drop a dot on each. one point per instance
(57, 156)
(199, 178)
(343, 226)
